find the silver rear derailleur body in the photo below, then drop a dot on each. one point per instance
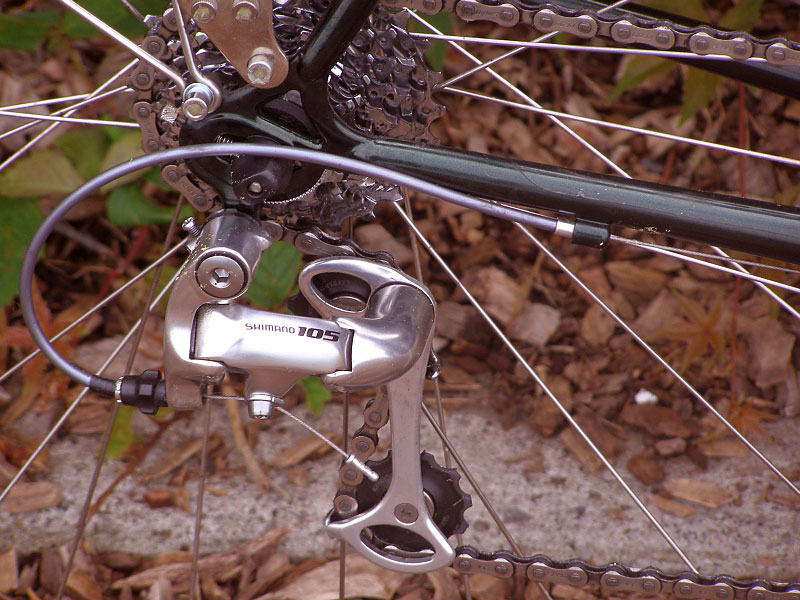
(375, 328)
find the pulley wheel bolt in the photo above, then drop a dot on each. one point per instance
(245, 11)
(406, 513)
(259, 68)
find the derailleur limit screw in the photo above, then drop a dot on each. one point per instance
(191, 227)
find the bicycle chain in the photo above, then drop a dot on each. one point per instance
(661, 35)
(632, 29)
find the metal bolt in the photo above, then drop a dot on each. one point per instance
(759, 596)
(501, 569)
(345, 506)
(429, 4)
(245, 11)
(191, 227)
(152, 145)
(259, 68)
(350, 474)
(362, 446)
(464, 565)
(221, 276)
(722, 592)
(374, 417)
(467, 10)
(142, 109)
(537, 573)
(406, 513)
(261, 406)
(685, 589)
(575, 578)
(154, 45)
(546, 21)
(197, 97)
(585, 27)
(204, 11)
(612, 581)
(255, 188)
(648, 586)
(142, 79)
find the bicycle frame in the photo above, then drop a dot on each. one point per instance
(602, 201)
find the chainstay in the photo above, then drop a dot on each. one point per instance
(631, 29)
(618, 578)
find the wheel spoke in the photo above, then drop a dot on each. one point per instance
(527, 99)
(105, 302)
(541, 44)
(125, 42)
(74, 120)
(38, 138)
(486, 65)
(111, 357)
(621, 127)
(194, 583)
(658, 357)
(70, 110)
(540, 382)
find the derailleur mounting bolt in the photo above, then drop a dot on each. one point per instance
(221, 276)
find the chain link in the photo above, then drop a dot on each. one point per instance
(632, 29)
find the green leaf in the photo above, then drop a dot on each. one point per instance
(128, 146)
(21, 219)
(39, 174)
(317, 395)
(638, 70)
(743, 16)
(122, 434)
(85, 148)
(276, 275)
(113, 13)
(128, 207)
(26, 31)
(437, 50)
(699, 90)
